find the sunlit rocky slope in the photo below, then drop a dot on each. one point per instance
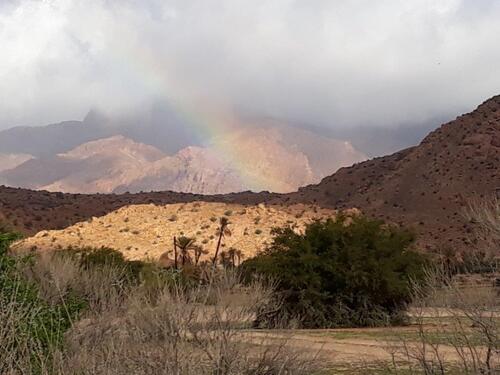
(147, 231)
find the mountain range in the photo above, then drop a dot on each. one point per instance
(427, 187)
(268, 156)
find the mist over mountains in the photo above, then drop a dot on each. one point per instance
(161, 152)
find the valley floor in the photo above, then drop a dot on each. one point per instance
(375, 350)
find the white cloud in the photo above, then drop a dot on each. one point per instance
(318, 61)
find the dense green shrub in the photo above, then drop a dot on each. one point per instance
(348, 272)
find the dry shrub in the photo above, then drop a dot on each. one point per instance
(458, 316)
(459, 333)
(198, 330)
(168, 326)
(486, 213)
(58, 277)
(15, 348)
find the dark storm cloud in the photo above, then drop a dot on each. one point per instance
(320, 62)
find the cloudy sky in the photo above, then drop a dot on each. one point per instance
(330, 63)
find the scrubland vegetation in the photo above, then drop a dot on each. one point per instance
(91, 311)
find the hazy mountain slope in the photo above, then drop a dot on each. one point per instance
(274, 156)
(97, 166)
(325, 154)
(157, 126)
(36, 173)
(191, 170)
(9, 161)
(264, 161)
(46, 141)
(427, 186)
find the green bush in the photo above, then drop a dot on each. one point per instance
(339, 273)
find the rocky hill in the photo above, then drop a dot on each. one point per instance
(147, 231)
(427, 187)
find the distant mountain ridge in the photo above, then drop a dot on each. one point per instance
(272, 157)
(158, 127)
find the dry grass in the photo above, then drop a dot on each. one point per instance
(182, 332)
(159, 326)
(455, 330)
(467, 311)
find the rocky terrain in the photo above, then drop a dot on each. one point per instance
(427, 187)
(147, 231)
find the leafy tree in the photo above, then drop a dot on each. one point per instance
(347, 272)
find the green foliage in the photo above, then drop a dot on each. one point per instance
(30, 323)
(6, 239)
(340, 273)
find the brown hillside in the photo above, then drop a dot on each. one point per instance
(428, 186)
(29, 211)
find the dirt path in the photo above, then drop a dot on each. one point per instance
(343, 346)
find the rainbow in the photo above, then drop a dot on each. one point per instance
(207, 120)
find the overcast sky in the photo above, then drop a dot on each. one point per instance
(324, 62)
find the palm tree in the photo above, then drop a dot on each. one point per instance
(186, 244)
(238, 256)
(231, 253)
(222, 231)
(198, 252)
(175, 252)
(225, 259)
(233, 256)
